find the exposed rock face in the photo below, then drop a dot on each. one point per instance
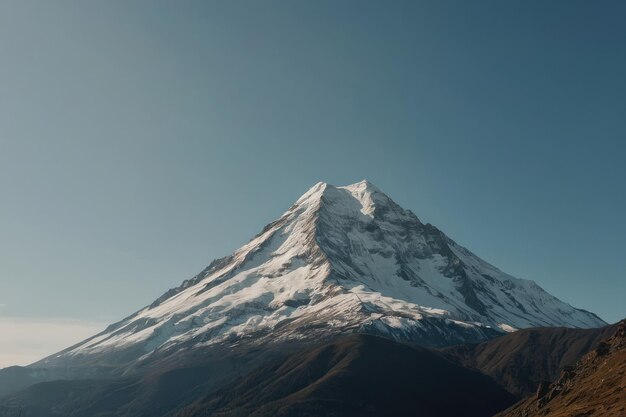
(596, 386)
(340, 260)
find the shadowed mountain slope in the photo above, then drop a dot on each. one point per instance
(596, 386)
(520, 361)
(360, 375)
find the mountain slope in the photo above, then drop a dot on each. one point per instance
(596, 386)
(521, 360)
(340, 260)
(359, 375)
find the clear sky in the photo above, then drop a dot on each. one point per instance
(139, 140)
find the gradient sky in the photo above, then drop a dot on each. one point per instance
(139, 140)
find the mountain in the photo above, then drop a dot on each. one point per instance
(596, 386)
(522, 360)
(340, 260)
(323, 312)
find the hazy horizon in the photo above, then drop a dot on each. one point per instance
(142, 140)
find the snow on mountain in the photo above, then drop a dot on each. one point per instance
(341, 259)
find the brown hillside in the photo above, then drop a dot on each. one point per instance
(519, 361)
(596, 386)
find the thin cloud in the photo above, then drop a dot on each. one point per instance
(26, 340)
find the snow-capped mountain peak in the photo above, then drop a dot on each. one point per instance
(340, 259)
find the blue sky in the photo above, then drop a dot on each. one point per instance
(140, 140)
